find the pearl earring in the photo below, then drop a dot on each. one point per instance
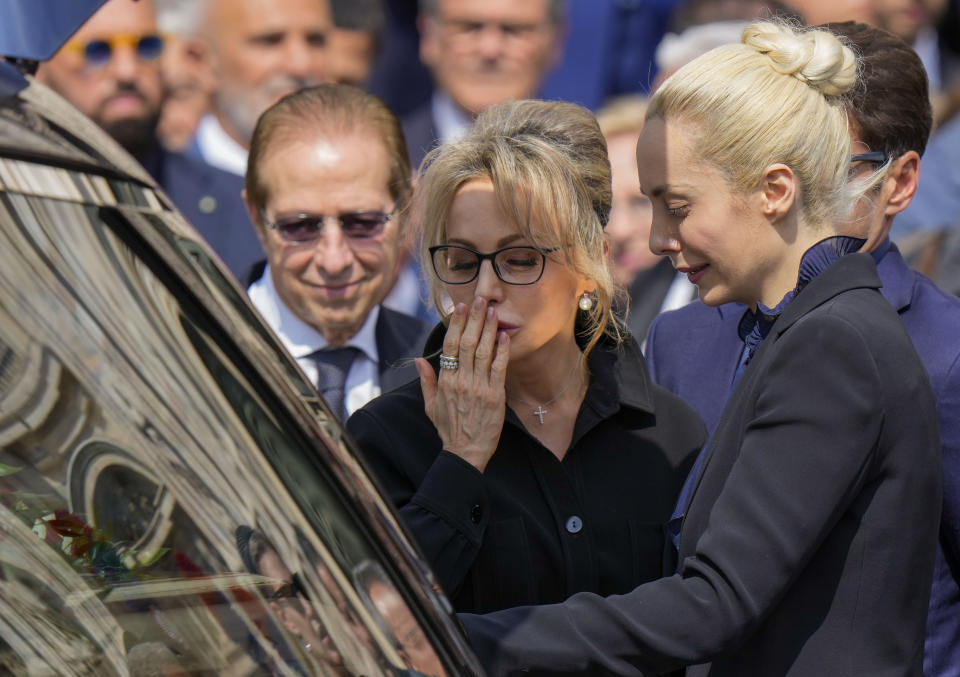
(585, 302)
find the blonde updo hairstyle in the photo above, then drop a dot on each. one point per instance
(548, 164)
(776, 97)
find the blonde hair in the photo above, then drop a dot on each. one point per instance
(622, 114)
(776, 97)
(551, 176)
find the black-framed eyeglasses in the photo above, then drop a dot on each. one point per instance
(97, 53)
(356, 226)
(455, 264)
(876, 156)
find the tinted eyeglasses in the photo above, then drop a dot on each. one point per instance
(454, 264)
(356, 226)
(97, 53)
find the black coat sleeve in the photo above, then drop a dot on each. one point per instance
(440, 497)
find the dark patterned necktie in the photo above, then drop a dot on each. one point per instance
(332, 367)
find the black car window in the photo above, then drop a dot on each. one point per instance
(161, 504)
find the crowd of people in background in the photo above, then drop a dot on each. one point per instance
(310, 141)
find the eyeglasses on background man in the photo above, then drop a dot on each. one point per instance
(97, 53)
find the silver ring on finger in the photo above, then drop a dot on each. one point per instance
(449, 362)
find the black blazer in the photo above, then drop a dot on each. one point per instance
(420, 133)
(400, 339)
(809, 541)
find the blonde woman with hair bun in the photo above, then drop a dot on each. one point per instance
(807, 528)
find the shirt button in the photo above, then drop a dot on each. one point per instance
(574, 525)
(476, 513)
(207, 204)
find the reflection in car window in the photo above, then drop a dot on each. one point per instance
(135, 448)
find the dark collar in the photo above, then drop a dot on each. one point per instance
(755, 325)
(855, 271)
(618, 378)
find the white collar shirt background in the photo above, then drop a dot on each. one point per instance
(217, 148)
(451, 122)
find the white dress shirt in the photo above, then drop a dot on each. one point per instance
(451, 122)
(301, 340)
(218, 148)
(681, 292)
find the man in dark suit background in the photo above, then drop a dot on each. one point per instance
(110, 70)
(694, 351)
(480, 52)
(327, 186)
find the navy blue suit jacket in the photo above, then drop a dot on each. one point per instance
(420, 133)
(808, 545)
(693, 352)
(211, 200)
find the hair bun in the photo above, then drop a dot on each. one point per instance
(814, 56)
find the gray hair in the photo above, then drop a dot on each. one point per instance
(181, 17)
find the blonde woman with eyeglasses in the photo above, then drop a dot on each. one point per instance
(534, 458)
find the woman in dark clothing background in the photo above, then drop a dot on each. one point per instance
(534, 458)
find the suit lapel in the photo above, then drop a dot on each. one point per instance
(898, 279)
(399, 340)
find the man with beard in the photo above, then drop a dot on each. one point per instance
(110, 70)
(260, 50)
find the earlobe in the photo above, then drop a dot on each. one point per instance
(904, 173)
(779, 191)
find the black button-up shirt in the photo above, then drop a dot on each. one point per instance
(533, 529)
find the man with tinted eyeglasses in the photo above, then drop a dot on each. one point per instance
(110, 70)
(694, 351)
(327, 186)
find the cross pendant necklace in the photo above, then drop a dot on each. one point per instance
(540, 412)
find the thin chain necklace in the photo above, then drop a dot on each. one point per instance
(539, 412)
